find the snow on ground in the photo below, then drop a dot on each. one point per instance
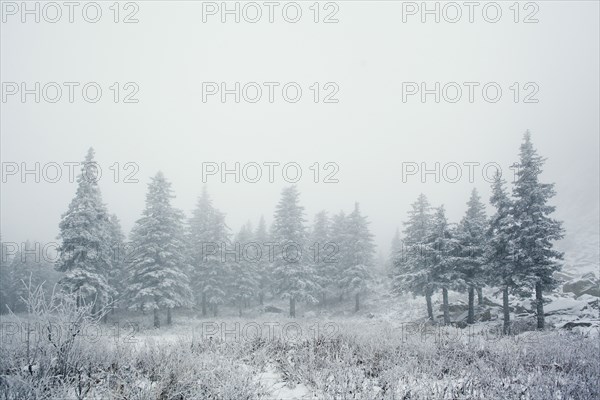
(272, 381)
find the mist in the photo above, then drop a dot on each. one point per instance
(434, 167)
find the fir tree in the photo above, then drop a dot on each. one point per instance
(441, 248)
(158, 267)
(84, 254)
(536, 229)
(293, 275)
(340, 256)
(356, 274)
(412, 271)
(320, 249)
(471, 237)
(499, 249)
(263, 270)
(243, 268)
(208, 237)
(117, 276)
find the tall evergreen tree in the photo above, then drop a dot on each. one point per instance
(412, 271)
(263, 266)
(471, 238)
(84, 254)
(208, 238)
(243, 268)
(158, 268)
(340, 241)
(117, 276)
(536, 229)
(293, 275)
(320, 250)
(356, 274)
(500, 265)
(441, 248)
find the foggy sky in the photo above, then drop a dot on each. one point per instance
(369, 133)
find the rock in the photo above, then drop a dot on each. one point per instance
(455, 308)
(586, 284)
(589, 275)
(370, 315)
(519, 325)
(481, 314)
(563, 276)
(593, 302)
(484, 316)
(520, 310)
(310, 314)
(573, 324)
(272, 309)
(489, 303)
(461, 324)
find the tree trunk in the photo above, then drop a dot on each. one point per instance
(356, 302)
(169, 317)
(445, 306)
(480, 296)
(292, 307)
(215, 310)
(341, 297)
(240, 307)
(204, 304)
(539, 302)
(471, 316)
(261, 298)
(323, 299)
(506, 311)
(156, 320)
(429, 305)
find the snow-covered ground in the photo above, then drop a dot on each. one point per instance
(386, 350)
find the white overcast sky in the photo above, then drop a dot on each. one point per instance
(369, 133)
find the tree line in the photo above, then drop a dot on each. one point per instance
(511, 251)
(170, 261)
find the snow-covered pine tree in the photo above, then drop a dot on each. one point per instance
(471, 238)
(499, 260)
(536, 229)
(243, 280)
(263, 266)
(356, 274)
(84, 253)
(341, 249)
(158, 265)
(441, 248)
(208, 238)
(292, 273)
(320, 250)
(117, 276)
(412, 269)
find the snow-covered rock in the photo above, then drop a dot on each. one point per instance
(585, 284)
